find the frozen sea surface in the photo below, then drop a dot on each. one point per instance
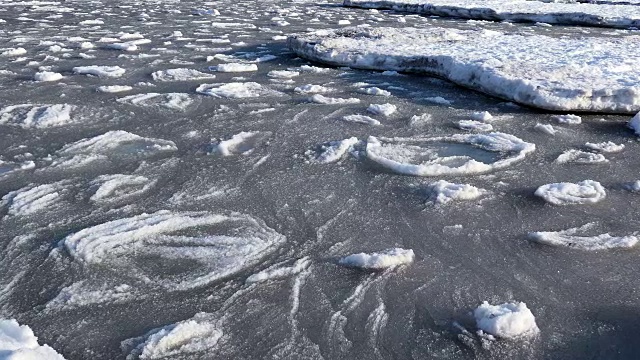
(154, 206)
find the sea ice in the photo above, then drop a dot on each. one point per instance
(235, 67)
(379, 260)
(180, 74)
(568, 119)
(173, 101)
(321, 99)
(443, 192)
(117, 144)
(580, 157)
(36, 116)
(584, 192)
(119, 187)
(605, 147)
(473, 125)
(361, 119)
(545, 128)
(280, 272)
(100, 71)
(572, 238)
(114, 88)
(17, 342)
(509, 320)
(382, 109)
(242, 143)
(31, 199)
(235, 90)
(332, 151)
(47, 76)
(311, 89)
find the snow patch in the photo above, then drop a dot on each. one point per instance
(379, 260)
(584, 192)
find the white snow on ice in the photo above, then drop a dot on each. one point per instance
(584, 192)
(509, 320)
(443, 192)
(379, 260)
(575, 238)
(17, 342)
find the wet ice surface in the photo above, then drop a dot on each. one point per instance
(126, 231)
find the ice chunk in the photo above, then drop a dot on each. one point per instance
(545, 128)
(13, 52)
(283, 74)
(199, 334)
(235, 90)
(473, 125)
(484, 116)
(605, 147)
(119, 187)
(173, 101)
(568, 119)
(420, 156)
(320, 99)
(180, 75)
(280, 272)
(235, 67)
(438, 100)
(382, 109)
(100, 71)
(584, 192)
(114, 88)
(332, 151)
(47, 76)
(580, 157)
(443, 192)
(509, 320)
(375, 91)
(36, 116)
(242, 143)
(571, 238)
(190, 249)
(379, 260)
(311, 89)
(17, 342)
(118, 145)
(635, 124)
(31, 199)
(9, 167)
(361, 119)
(602, 77)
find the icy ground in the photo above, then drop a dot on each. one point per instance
(176, 183)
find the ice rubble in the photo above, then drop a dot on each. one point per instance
(573, 238)
(173, 101)
(280, 272)
(580, 157)
(443, 192)
(180, 74)
(242, 143)
(584, 192)
(100, 71)
(578, 74)
(619, 16)
(119, 187)
(226, 244)
(36, 116)
(419, 156)
(17, 342)
(509, 320)
(198, 334)
(379, 260)
(332, 151)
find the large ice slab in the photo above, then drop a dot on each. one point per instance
(568, 74)
(619, 16)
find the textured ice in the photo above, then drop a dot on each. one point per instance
(17, 342)
(243, 143)
(473, 125)
(634, 124)
(13, 51)
(420, 156)
(199, 334)
(117, 145)
(580, 157)
(311, 89)
(277, 273)
(31, 199)
(36, 116)
(382, 109)
(236, 67)
(180, 74)
(100, 71)
(566, 73)
(213, 245)
(379, 260)
(568, 119)
(114, 88)
(575, 238)
(321, 99)
(173, 101)
(509, 320)
(47, 76)
(119, 187)
(235, 90)
(9, 167)
(550, 12)
(545, 128)
(361, 119)
(605, 147)
(443, 192)
(584, 192)
(332, 151)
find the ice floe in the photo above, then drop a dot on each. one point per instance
(111, 89)
(555, 73)
(243, 143)
(580, 157)
(173, 101)
(361, 119)
(100, 71)
(473, 125)
(509, 320)
(235, 67)
(605, 147)
(311, 89)
(213, 245)
(550, 12)
(382, 109)
(235, 90)
(277, 273)
(374, 91)
(32, 199)
(321, 99)
(443, 192)
(584, 192)
(546, 129)
(379, 260)
(443, 155)
(331, 151)
(577, 239)
(17, 342)
(119, 187)
(200, 334)
(47, 76)
(36, 116)
(180, 74)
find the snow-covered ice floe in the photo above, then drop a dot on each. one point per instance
(235, 67)
(575, 238)
(119, 187)
(32, 199)
(276, 273)
(100, 71)
(443, 192)
(173, 101)
(180, 74)
(458, 154)
(549, 12)
(198, 334)
(569, 73)
(189, 249)
(36, 116)
(379, 260)
(331, 151)
(235, 90)
(242, 143)
(584, 192)
(17, 342)
(509, 320)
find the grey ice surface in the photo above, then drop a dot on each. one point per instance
(97, 304)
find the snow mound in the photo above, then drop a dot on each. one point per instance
(443, 192)
(509, 320)
(190, 249)
(280, 272)
(549, 12)
(32, 199)
(382, 109)
(119, 187)
(180, 75)
(235, 67)
(321, 99)
(554, 73)
(100, 71)
(584, 192)
(47, 76)
(572, 238)
(379, 260)
(332, 151)
(36, 116)
(445, 156)
(173, 101)
(196, 335)
(243, 143)
(580, 157)
(311, 89)
(17, 342)
(235, 90)
(361, 119)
